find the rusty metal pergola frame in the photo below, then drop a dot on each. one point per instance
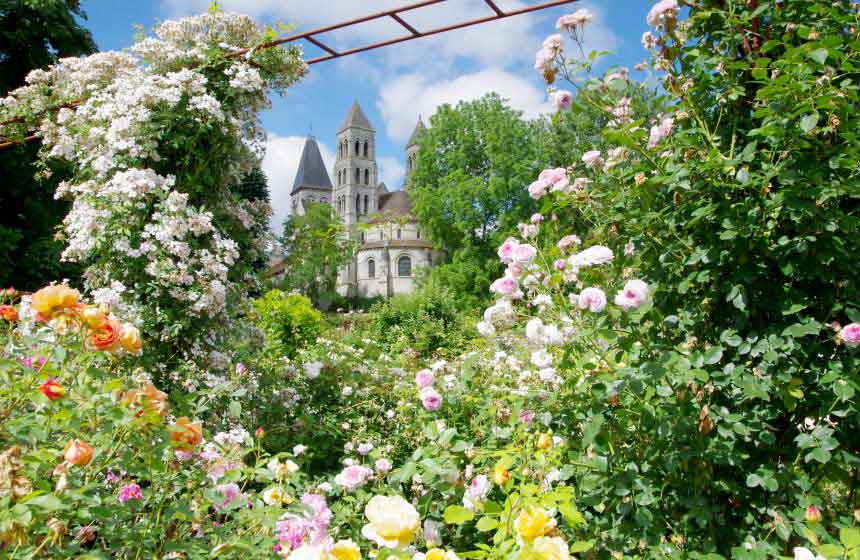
(393, 14)
(414, 33)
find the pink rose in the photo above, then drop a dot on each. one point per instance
(430, 399)
(382, 466)
(664, 10)
(850, 334)
(567, 242)
(538, 189)
(560, 264)
(353, 476)
(505, 286)
(592, 159)
(506, 249)
(571, 22)
(562, 99)
(536, 218)
(592, 299)
(526, 416)
(130, 492)
(544, 58)
(634, 294)
(525, 253)
(424, 378)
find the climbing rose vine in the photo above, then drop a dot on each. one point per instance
(156, 135)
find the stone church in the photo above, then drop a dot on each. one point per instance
(391, 248)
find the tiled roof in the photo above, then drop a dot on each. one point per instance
(312, 172)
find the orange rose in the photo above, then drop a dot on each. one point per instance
(9, 313)
(52, 389)
(54, 299)
(93, 316)
(148, 399)
(79, 453)
(130, 339)
(186, 434)
(107, 337)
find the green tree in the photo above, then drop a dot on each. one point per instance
(33, 34)
(254, 186)
(468, 186)
(316, 249)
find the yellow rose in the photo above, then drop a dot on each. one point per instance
(345, 550)
(93, 316)
(51, 300)
(544, 441)
(532, 523)
(550, 548)
(393, 521)
(501, 475)
(129, 338)
(439, 554)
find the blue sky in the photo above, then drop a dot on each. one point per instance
(397, 83)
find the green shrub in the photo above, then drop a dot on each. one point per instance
(426, 321)
(289, 320)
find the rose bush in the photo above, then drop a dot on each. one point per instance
(669, 369)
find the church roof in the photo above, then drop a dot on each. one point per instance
(312, 172)
(356, 119)
(381, 188)
(416, 134)
(395, 203)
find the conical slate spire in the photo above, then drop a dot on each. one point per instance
(356, 119)
(416, 134)
(312, 172)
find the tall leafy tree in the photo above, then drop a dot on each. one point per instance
(33, 34)
(468, 188)
(316, 249)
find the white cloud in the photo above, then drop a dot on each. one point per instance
(391, 171)
(500, 43)
(280, 165)
(403, 99)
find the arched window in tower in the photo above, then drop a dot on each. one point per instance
(365, 149)
(404, 266)
(371, 268)
(418, 233)
(357, 175)
(365, 204)
(367, 176)
(357, 146)
(398, 233)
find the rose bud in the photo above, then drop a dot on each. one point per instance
(813, 514)
(52, 389)
(79, 453)
(259, 432)
(9, 313)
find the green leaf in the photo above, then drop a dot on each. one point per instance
(818, 454)
(849, 537)
(235, 409)
(486, 524)
(713, 355)
(581, 546)
(48, 502)
(808, 123)
(457, 515)
(819, 55)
